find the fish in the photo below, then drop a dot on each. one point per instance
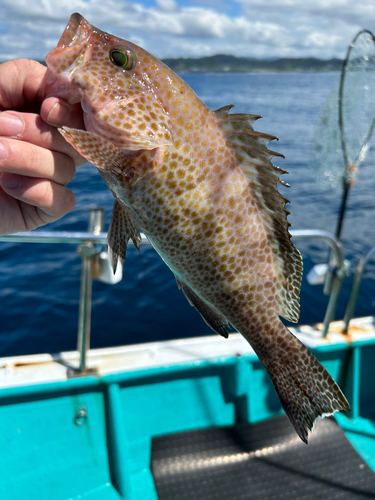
(201, 186)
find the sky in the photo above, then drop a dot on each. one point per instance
(187, 28)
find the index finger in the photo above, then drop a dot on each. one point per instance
(30, 128)
(20, 80)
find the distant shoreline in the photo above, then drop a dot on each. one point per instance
(230, 64)
(222, 63)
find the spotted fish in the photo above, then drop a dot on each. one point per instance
(201, 186)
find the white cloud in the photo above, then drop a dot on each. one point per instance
(277, 28)
(167, 5)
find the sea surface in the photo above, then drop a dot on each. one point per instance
(39, 283)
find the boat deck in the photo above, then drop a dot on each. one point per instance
(68, 435)
(258, 462)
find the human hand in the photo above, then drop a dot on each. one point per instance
(36, 162)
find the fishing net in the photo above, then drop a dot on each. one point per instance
(347, 118)
(327, 155)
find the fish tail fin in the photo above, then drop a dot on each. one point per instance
(306, 390)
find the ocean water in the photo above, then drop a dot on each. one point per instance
(39, 284)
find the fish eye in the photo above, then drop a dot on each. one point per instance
(122, 57)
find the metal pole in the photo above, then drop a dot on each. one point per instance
(358, 275)
(96, 220)
(332, 303)
(87, 252)
(84, 319)
(337, 272)
(344, 199)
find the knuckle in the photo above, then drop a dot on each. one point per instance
(68, 169)
(44, 194)
(54, 201)
(69, 201)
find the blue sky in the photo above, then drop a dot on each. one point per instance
(188, 28)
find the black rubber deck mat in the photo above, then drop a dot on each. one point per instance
(264, 461)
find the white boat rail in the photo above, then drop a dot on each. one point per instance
(90, 247)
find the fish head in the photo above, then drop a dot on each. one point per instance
(116, 82)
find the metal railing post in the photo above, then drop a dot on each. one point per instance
(358, 275)
(87, 252)
(338, 269)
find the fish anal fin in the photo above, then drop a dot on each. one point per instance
(121, 229)
(305, 388)
(250, 149)
(210, 315)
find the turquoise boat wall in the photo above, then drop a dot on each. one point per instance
(43, 449)
(51, 451)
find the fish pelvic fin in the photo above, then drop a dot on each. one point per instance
(210, 315)
(306, 390)
(121, 230)
(250, 149)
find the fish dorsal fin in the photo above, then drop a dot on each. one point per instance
(250, 148)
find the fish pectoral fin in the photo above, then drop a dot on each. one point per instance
(101, 153)
(121, 229)
(210, 315)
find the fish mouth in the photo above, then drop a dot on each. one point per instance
(67, 58)
(72, 30)
(73, 48)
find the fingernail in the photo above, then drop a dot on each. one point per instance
(58, 115)
(10, 124)
(10, 181)
(3, 151)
